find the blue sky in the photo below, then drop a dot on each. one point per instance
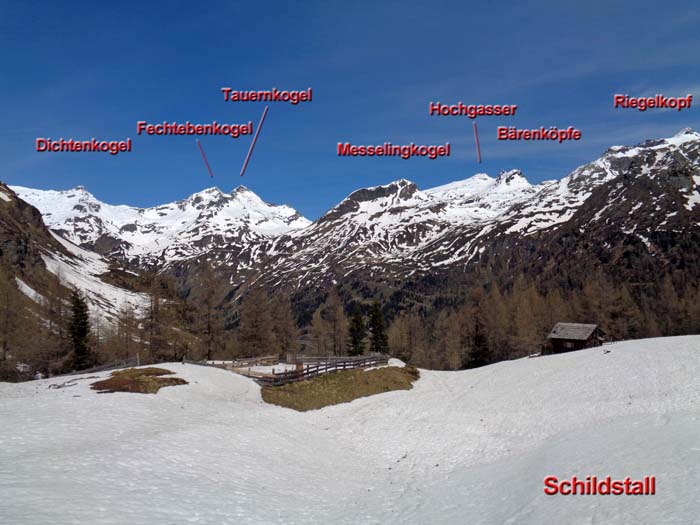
(84, 70)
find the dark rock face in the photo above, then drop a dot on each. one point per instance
(106, 245)
(23, 235)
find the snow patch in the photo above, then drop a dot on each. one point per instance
(29, 291)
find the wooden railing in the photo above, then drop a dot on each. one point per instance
(264, 360)
(309, 370)
(243, 362)
(114, 365)
(330, 359)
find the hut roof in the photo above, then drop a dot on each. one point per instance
(575, 331)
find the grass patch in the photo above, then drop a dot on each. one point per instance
(138, 380)
(340, 387)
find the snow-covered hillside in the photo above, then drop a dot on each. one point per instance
(461, 447)
(82, 269)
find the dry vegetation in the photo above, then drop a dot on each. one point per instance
(140, 380)
(340, 387)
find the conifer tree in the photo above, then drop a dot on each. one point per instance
(321, 335)
(285, 328)
(337, 321)
(79, 332)
(378, 338)
(476, 331)
(127, 327)
(55, 311)
(496, 324)
(255, 335)
(449, 339)
(398, 337)
(357, 332)
(211, 325)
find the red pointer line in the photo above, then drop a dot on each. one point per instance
(252, 144)
(211, 175)
(478, 148)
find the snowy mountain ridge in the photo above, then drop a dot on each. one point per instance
(395, 229)
(169, 232)
(398, 229)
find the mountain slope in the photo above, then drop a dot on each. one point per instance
(36, 256)
(444, 452)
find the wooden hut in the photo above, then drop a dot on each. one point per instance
(567, 337)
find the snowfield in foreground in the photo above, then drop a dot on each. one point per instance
(461, 447)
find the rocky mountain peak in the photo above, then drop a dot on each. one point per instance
(511, 177)
(687, 131)
(401, 188)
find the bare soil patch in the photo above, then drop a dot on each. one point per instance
(137, 380)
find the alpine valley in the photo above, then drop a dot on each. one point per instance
(626, 223)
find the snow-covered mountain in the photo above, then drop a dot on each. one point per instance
(471, 446)
(391, 224)
(185, 229)
(628, 196)
(398, 230)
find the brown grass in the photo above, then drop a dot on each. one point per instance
(138, 380)
(340, 387)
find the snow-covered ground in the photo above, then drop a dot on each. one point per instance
(461, 447)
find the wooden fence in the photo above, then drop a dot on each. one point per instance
(264, 360)
(304, 359)
(244, 362)
(309, 370)
(114, 365)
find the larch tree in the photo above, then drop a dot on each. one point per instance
(321, 335)
(450, 339)
(127, 330)
(211, 326)
(285, 327)
(255, 334)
